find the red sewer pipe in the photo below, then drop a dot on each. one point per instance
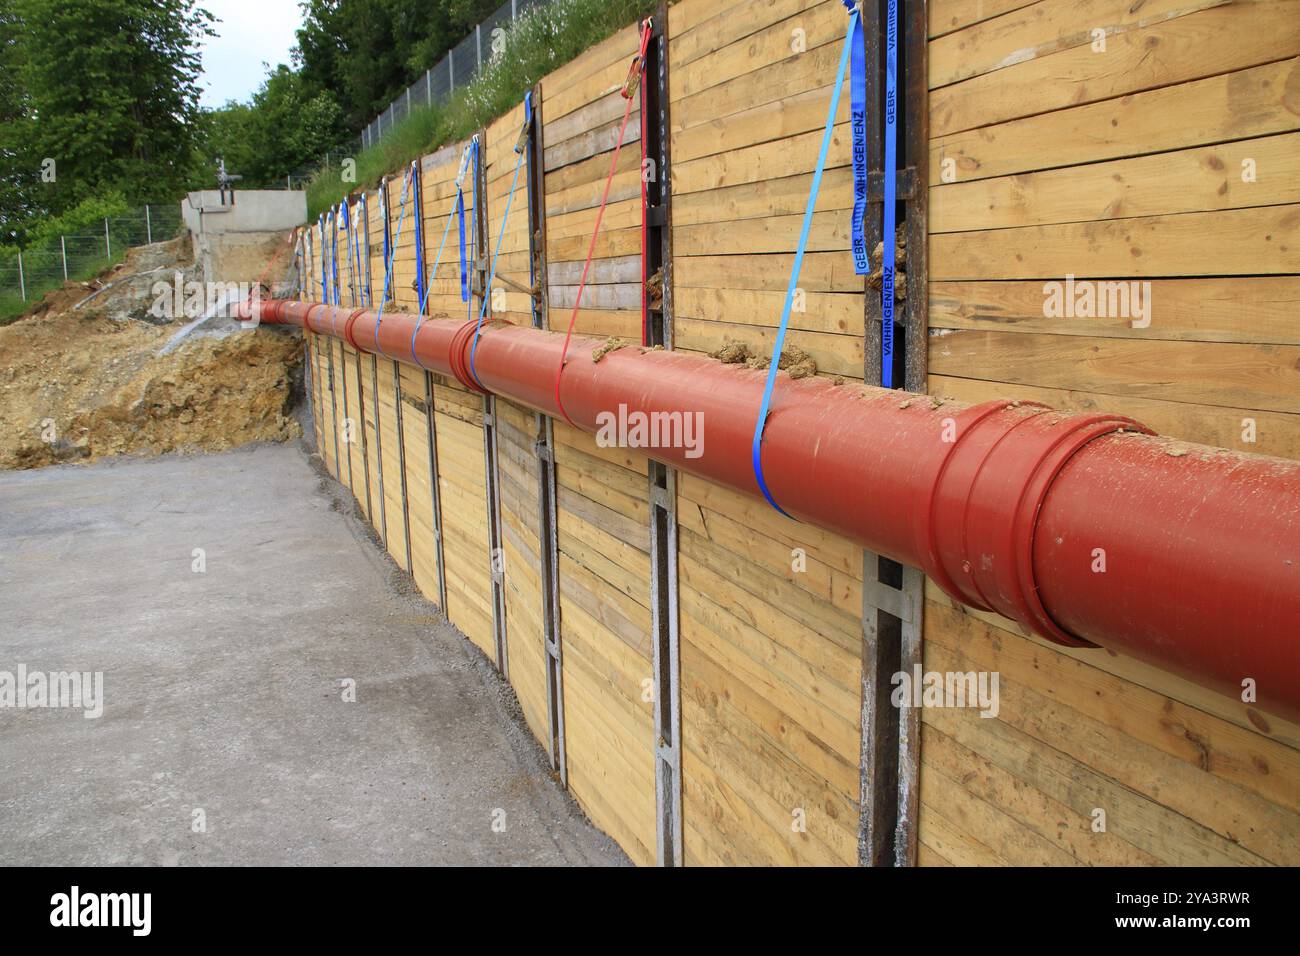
(1086, 529)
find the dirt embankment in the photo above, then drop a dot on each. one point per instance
(81, 383)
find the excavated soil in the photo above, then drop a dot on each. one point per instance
(78, 384)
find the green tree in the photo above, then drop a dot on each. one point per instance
(111, 94)
(19, 164)
(285, 129)
(366, 52)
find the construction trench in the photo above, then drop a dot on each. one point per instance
(709, 637)
(724, 486)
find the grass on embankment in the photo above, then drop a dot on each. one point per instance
(538, 42)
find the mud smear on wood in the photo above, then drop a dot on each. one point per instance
(794, 361)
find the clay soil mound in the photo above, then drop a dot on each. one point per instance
(87, 383)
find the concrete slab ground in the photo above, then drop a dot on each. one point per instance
(223, 688)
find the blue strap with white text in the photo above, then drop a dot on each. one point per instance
(858, 126)
(891, 176)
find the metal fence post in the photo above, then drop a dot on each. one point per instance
(63, 247)
(22, 283)
(428, 87)
(451, 71)
(108, 243)
(148, 225)
(514, 10)
(478, 43)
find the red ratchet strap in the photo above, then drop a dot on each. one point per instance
(645, 225)
(630, 88)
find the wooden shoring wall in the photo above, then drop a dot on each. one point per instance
(1052, 156)
(602, 493)
(310, 288)
(458, 422)
(516, 429)
(770, 608)
(1047, 158)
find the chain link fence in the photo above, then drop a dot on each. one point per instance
(451, 73)
(28, 274)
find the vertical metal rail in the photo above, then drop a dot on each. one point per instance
(434, 490)
(431, 429)
(334, 413)
(309, 383)
(548, 544)
(413, 198)
(916, 319)
(893, 596)
(374, 371)
(334, 405)
(349, 427)
(656, 290)
(367, 297)
(401, 462)
(496, 555)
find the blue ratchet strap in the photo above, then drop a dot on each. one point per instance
(324, 262)
(492, 270)
(354, 255)
(389, 257)
(338, 271)
(347, 243)
(470, 162)
(858, 127)
(433, 273)
(334, 259)
(891, 176)
(363, 225)
(757, 450)
(437, 260)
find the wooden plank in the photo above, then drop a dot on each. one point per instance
(703, 27)
(1266, 731)
(1183, 181)
(1042, 29)
(1031, 702)
(789, 156)
(1054, 822)
(1132, 817)
(948, 15)
(791, 76)
(1274, 433)
(834, 354)
(1258, 241)
(1190, 48)
(819, 25)
(1234, 375)
(1245, 309)
(822, 312)
(1254, 102)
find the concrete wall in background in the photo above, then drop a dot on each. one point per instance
(253, 210)
(235, 242)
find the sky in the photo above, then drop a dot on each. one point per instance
(250, 33)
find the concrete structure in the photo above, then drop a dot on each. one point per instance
(252, 210)
(223, 689)
(236, 234)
